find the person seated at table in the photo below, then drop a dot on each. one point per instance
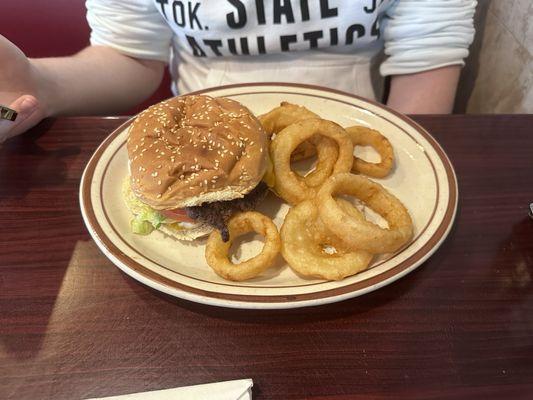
(210, 43)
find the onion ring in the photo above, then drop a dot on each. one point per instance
(363, 136)
(327, 154)
(289, 185)
(364, 235)
(305, 254)
(286, 114)
(216, 252)
(321, 234)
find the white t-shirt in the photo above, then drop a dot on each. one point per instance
(326, 42)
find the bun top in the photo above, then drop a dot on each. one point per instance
(190, 150)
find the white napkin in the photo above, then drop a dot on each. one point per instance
(229, 390)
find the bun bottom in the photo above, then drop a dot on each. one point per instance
(186, 234)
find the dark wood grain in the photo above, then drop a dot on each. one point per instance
(73, 326)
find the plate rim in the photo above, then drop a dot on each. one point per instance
(177, 289)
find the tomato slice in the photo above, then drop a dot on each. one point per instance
(178, 214)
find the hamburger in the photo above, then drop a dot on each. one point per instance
(194, 161)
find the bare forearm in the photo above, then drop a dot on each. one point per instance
(428, 92)
(97, 80)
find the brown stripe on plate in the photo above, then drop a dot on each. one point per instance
(126, 243)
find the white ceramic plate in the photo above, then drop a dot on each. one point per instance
(423, 179)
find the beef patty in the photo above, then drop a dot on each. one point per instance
(218, 213)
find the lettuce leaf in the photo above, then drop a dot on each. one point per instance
(143, 213)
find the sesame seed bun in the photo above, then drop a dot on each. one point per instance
(190, 150)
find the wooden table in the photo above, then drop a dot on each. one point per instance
(73, 326)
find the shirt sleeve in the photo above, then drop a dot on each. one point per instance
(421, 35)
(132, 27)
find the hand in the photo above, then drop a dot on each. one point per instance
(19, 90)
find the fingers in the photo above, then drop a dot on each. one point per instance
(27, 108)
